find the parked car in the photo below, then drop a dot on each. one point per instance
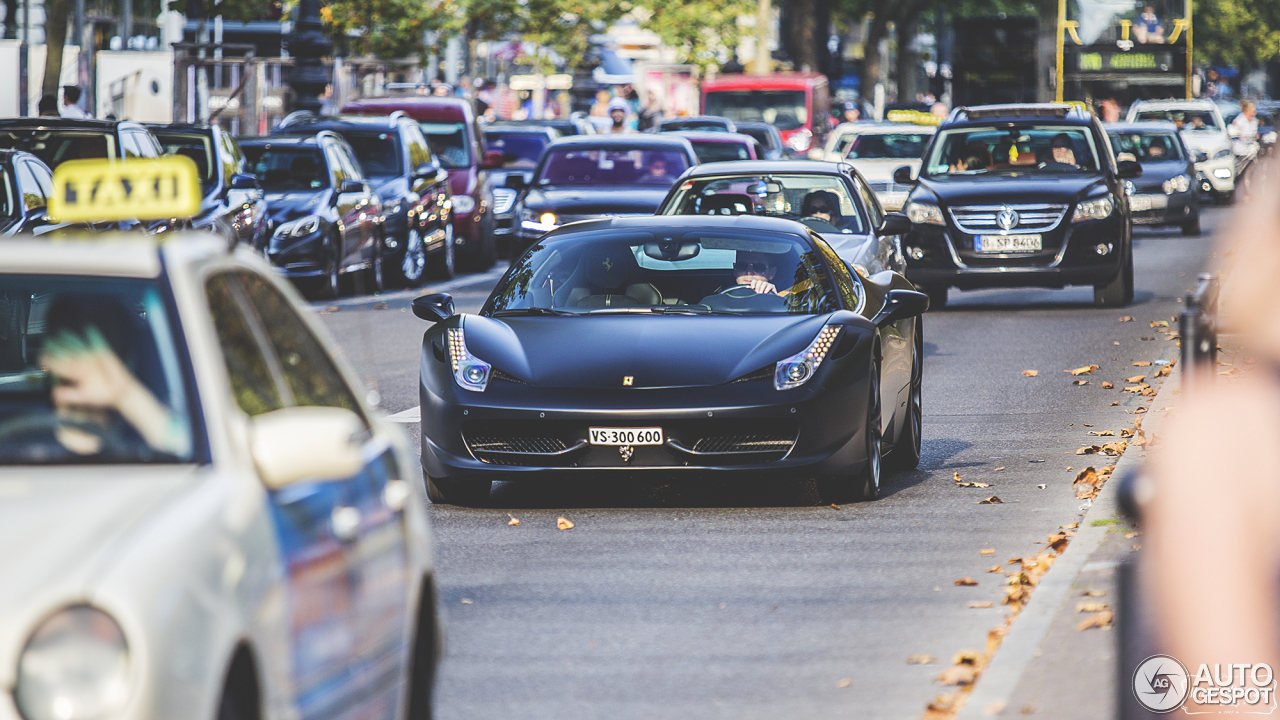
(696, 123)
(457, 142)
(326, 218)
(877, 150)
(242, 538)
(24, 207)
(418, 232)
(768, 137)
(1167, 192)
(1205, 135)
(583, 178)
(1020, 196)
(521, 145)
(723, 146)
(831, 199)
(234, 205)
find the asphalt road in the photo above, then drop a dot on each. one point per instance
(729, 600)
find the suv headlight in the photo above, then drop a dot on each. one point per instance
(923, 212)
(1176, 184)
(797, 369)
(800, 140)
(299, 228)
(471, 372)
(1093, 209)
(544, 222)
(463, 204)
(1223, 153)
(75, 667)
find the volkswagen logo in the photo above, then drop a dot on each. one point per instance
(1007, 218)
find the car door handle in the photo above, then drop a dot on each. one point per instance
(345, 522)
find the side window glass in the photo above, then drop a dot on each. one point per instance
(253, 385)
(350, 164)
(419, 152)
(148, 145)
(227, 156)
(844, 282)
(129, 144)
(31, 195)
(309, 372)
(333, 158)
(43, 178)
(870, 201)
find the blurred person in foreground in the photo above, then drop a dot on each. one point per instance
(1211, 538)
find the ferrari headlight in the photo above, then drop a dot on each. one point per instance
(299, 228)
(1093, 209)
(797, 369)
(471, 372)
(1176, 184)
(926, 213)
(75, 667)
(463, 204)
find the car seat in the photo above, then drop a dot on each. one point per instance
(726, 204)
(608, 276)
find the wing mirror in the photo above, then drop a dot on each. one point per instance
(493, 160)
(306, 443)
(901, 304)
(903, 175)
(424, 170)
(244, 181)
(1202, 156)
(1126, 169)
(434, 308)
(894, 224)
(351, 186)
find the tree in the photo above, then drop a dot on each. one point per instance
(702, 32)
(1243, 34)
(384, 28)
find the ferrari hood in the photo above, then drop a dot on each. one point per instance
(654, 350)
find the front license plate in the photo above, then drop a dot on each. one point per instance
(625, 436)
(1139, 203)
(1007, 243)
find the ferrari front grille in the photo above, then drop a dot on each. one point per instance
(761, 443)
(517, 444)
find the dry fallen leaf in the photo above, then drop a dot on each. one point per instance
(1114, 404)
(1115, 448)
(958, 675)
(987, 551)
(1139, 388)
(1095, 593)
(1091, 607)
(380, 306)
(844, 683)
(1031, 373)
(1088, 483)
(995, 569)
(998, 469)
(1102, 433)
(943, 707)
(973, 484)
(1127, 318)
(563, 523)
(1089, 450)
(966, 581)
(993, 500)
(1159, 323)
(1086, 370)
(467, 601)
(1107, 384)
(921, 660)
(1131, 535)
(1164, 371)
(514, 520)
(1135, 379)
(1126, 432)
(835, 506)
(1071, 526)
(1099, 620)
(955, 476)
(1079, 382)
(1142, 363)
(978, 604)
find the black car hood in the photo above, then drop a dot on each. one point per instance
(1155, 173)
(284, 207)
(604, 200)
(1011, 188)
(658, 351)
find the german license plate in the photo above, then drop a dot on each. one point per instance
(1140, 203)
(1006, 243)
(625, 436)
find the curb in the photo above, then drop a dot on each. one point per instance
(1000, 679)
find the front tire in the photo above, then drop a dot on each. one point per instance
(864, 484)
(467, 493)
(906, 452)
(329, 285)
(410, 271)
(444, 265)
(1192, 226)
(1118, 292)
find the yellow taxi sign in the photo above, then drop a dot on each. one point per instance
(109, 190)
(915, 117)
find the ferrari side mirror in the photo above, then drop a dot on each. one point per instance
(434, 308)
(901, 304)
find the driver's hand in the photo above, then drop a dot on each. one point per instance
(762, 287)
(90, 374)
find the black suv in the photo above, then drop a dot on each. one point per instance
(325, 217)
(413, 187)
(1020, 196)
(233, 204)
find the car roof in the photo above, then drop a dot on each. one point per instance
(68, 123)
(1058, 113)
(724, 137)
(419, 107)
(776, 81)
(705, 119)
(637, 140)
(1141, 126)
(1174, 103)
(882, 128)
(767, 167)
(721, 222)
(279, 140)
(507, 127)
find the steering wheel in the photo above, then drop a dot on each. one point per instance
(29, 424)
(729, 292)
(819, 225)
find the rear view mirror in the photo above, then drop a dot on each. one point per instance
(894, 224)
(434, 308)
(243, 181)
(306, 443)
(672, 250)
(1128, 169)
(903, 175)
(901, 304)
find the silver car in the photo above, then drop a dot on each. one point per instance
(204, 515)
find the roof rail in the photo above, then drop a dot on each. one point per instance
(297, 116)
(396, 115)
(329, 134)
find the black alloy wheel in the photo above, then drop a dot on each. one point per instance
(445, 264)
(485, 252)
(864, 483)
(467, 493)
(1192, 226)
(906, 451)
(328, 286)
(377, 271)
(1118, 292)
(414, 261)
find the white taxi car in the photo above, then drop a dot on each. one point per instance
(204, 516)
(1205, 134)
(877, 150)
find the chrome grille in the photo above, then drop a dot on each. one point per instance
(503, 200)
(757, 443)
(976, 219)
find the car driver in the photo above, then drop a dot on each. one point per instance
(756, 270)
(1064, 154)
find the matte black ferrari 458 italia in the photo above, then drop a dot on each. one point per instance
(667, 347)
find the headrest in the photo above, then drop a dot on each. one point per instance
(609, 266)
(727, 204)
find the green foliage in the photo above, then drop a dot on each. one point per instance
(1236, 33)
(703, 32)
(566, 26)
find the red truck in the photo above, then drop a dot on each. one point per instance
(798, 104)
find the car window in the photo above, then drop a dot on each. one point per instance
(791, 195)
(1147, 146)
(869, 201)
(32, 197)
(519, 150)
(378, 153)
(55, 146)
(1020, 149)
(253, 384)
(419, 150)
(129, 143)
(8, 205)
(448, 142)
(287, 169)
(1185, 120)
(337, 167)
(709, 151)
(600, 166)
(227, 156)
(71, 348)
(43, 177)
(196, 146)
(147, 146)
(896, 146)
(850, 290)
(309, 372)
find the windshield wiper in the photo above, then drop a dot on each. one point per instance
(664, 310)
(530, 311)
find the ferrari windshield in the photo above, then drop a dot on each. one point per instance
(670, 271)
(89, 373)
(1036, 149)
(823, 202)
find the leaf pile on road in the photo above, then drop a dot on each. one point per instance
(1090, 481)
(962, 484)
